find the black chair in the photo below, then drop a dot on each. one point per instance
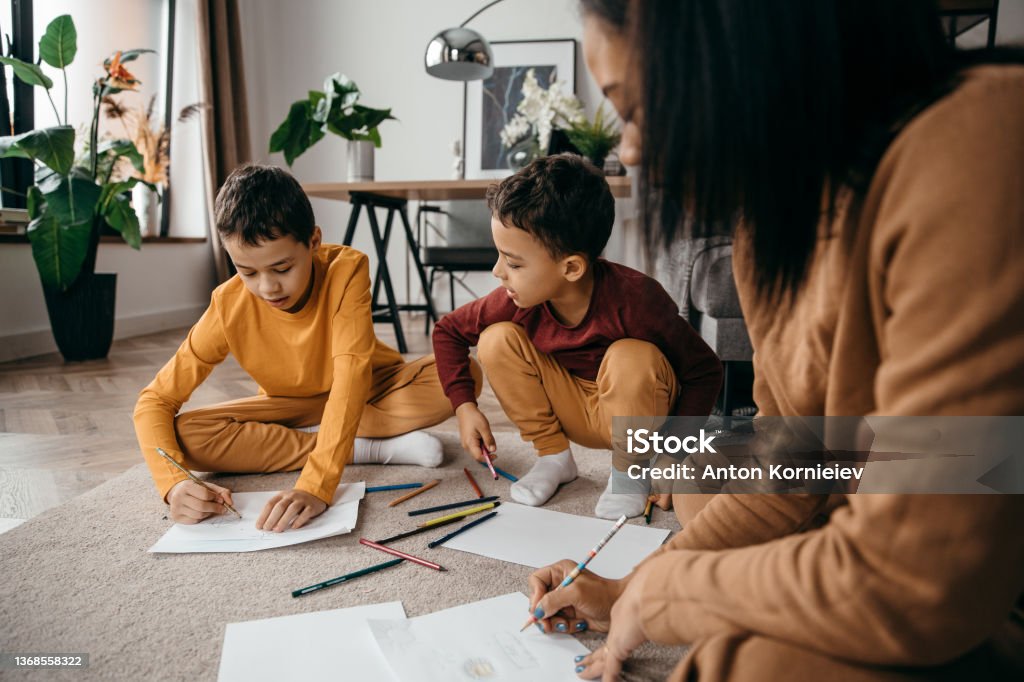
(467, 246)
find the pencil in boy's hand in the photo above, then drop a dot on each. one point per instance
(192, 477)
(490, 465)
(583, 564)
(472, 482)
(414, 493)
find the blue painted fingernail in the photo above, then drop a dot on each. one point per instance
(561, 627)
(581, 626)
(579, 658)
(538, 612)
(579, 668)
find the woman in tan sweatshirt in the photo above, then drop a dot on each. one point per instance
(879, 177)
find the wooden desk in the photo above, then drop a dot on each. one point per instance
(431, 190)
(394, 197)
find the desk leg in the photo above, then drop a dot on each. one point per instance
(353, 219)
(382, 268)
(415, 248)
(387, 243)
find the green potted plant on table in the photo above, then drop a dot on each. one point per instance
(74, 197)
(333, 110)
(594, 139)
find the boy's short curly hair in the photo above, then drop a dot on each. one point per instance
(563, 200)
(260, 203)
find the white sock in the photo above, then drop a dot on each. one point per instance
(623, 495)
(550, 471)
(308, 429)
(415, 447)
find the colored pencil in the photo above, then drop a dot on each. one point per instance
(192, 477)
(414, 493)
(410, 557)
(500, 472)
(583, 564)
(401, 486)
(472, 482)
(460, 529)
(648, 511)
(490, 465)
(345, 578)
(460, 514)
(417, 530)
(453, 505)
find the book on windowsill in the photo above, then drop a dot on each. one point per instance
(13, 221)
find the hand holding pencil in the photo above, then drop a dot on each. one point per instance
(475, 432)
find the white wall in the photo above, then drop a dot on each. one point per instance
(165, 285)
(291, 47)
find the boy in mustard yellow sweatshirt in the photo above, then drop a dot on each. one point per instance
(297, 319)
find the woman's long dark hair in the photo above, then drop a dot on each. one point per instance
(764, 110)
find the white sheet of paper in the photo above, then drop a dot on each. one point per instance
(228, 533)
(326, 645)
(536, 537)
(476, 641)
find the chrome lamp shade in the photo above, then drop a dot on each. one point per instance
(459, 54)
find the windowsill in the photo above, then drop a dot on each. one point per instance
(111, 239)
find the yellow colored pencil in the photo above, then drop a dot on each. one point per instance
(456, 515)
(193, 478)
(414, 493)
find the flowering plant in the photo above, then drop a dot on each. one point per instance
(150, 136)
(541, 111)
(73, 199)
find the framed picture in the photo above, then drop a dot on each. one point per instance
(490, 103)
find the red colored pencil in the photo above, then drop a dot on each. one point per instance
(487, 458)
(407, 557)
(472, 482)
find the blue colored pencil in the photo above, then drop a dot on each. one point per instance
(401, 486)
(502, 472)
(453, 505)
(446, 538)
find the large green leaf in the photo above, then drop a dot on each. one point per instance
(29, 73)
(34, 202)
(59, 44)
(9, 148)
(73, 201)
(58, 249)
(120, 215)
(123, 147)
(293, 136)
(55, 146)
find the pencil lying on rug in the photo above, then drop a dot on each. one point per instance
(414, 493)
(458, 515)
(461, 529)
(400, 486)
(583, 564)
(193, 478)
(648, 511)
(453, 505)
(498, 472)
(345, 578)
(410, 557)
(417, 530)
(472, 482)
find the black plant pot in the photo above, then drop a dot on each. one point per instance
(82, 318)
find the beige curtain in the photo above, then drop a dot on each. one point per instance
(226, 120)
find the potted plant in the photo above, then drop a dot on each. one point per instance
(594, 139)
(333, 110)
(73, 198)
(535, 130)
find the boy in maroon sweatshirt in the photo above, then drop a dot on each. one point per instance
(569, 340)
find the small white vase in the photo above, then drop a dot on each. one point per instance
(360, 161)
(147, 207)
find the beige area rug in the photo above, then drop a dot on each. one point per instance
(78, 578)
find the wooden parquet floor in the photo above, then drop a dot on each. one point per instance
(67, 428)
